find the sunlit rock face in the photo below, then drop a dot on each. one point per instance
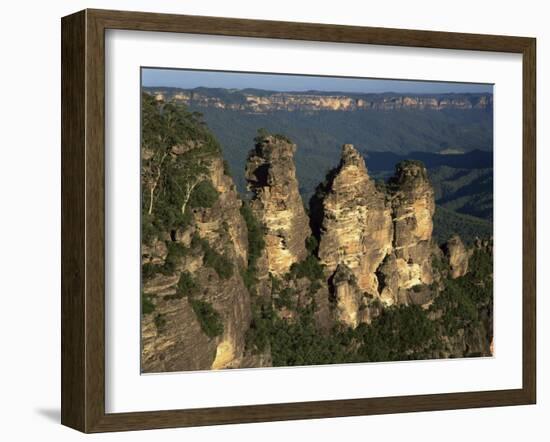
(347, 296)
(173, 338)
(230, 220)
(276, 201)
(353, 307)
(413, 207)
(357, 225)
(382, 234)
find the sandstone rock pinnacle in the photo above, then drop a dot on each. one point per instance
(276, 201)
(457, 255)
(357, 227)
(413, 207)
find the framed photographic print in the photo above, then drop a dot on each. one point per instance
(268, 221)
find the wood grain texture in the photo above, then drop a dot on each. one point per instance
(529, 221)
(95, 221)
(83, 220)
(73, 253)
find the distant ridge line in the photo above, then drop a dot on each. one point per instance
(262, 101)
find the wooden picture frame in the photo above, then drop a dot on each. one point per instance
(83, 220)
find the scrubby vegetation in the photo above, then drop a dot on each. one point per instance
(256, 245)
(312, 245)
(398, 333)
(176, 251)
(175, 146)
(466, 302)
(147, 305)
(220, 263)
(285, 298)
(187, 286)
(209, 319)
(204, 195)
(309, 268)
(160, 322)
(148, 270)
(258, 336)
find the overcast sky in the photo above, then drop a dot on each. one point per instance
(189, 79)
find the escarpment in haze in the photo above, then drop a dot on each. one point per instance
(255, 101)
(276, 201)
(233, 283)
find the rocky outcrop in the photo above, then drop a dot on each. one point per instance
(384, 236)
(397, 276)
(470, 342)
(484, 245)
(457, 255)
(347, 296)
(276, 201)
(353, 307)
(413, 206)
(214, 223)
(172, 339)
(357, 228)
(175, 335)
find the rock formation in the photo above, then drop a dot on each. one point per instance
(383, 237)
(276, 201)
(173, 336)
(347, 296)
(413, 206)
(458, 256)
(485, 245)
(218, 278)
(357, 226)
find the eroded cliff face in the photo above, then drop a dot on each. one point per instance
(276, 202)
(201, 311)
(352, 305)
(357, 228)
(381, 234)
(413, 207)
(347, 296)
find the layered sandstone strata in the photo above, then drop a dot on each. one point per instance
(173, 338)
(314, 102)
(357, 226)
(413, 207)
(276, 201)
